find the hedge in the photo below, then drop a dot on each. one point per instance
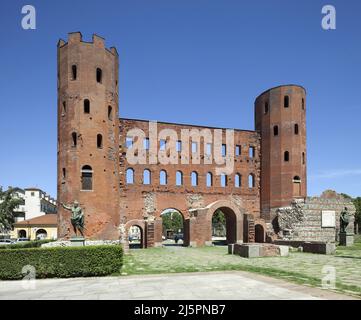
(61, 262)
(25, 244)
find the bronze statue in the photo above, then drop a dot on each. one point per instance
(344, 220)
(77, 217)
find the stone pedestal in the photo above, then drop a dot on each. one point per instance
(346, 239)
(77, 241)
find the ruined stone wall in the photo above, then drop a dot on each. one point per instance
(303, 220)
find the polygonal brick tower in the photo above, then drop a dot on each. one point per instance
(88, 135)
(280, 116)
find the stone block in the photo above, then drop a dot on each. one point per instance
(346, 239)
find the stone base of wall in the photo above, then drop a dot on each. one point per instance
(67, 243)
(346, 239)
(256, 250)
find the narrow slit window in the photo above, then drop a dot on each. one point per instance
(275, 130)
(252, 152)
(237, 180)
(209, 179)
(223, 180)
(179, 178)
(296, 128)
(63, 111)
(266, 107)
(110, 113)
(251, 181)
(286, 101)
(64, 173)
(99, 141)
(86, 106)
(99, 75)
(286, 156)
(74, 72)
(238, 150)
(74, 139)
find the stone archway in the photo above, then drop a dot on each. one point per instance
(141, 224)
(22, 233)
(259, 233)
(234, 221)
(201, 223)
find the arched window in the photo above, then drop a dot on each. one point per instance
(194, 178)
(275, 130)
(86, 178)
(296, 179)
(130, 176)
(179, 178)
(286, 101)
(99, 75)
(266, 107)
(163, 177)
(237, 180)
(99, 141)
(110, 113)
(146, 176)
(86, 106)
(286, 156)
(251, 182)
(74, 139)
(296, 128)
(73, 72)
(223, 180)
(209, 179)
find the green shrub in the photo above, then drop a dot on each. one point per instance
(25, 244)
(61, 262)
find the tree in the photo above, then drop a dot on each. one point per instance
(218, 223)
(8, 202)
(172, 220)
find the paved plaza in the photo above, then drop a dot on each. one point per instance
(214, 285)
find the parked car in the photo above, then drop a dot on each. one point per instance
(6, 241)
(22, 240)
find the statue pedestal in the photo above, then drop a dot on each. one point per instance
(77, 241)
(346, 239)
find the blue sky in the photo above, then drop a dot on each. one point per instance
(188, 61)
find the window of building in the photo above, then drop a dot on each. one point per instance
(275, 130)
(130, 176)
(179, 178)
(99, 141)
(110, 113)
(64, 173)
(64, 108)
(251, 182)
(296, 128)
(73, 72)
(238, 150)
(163, 177)
(146, 143)
(194, 178)
(237, 180)
(74, 138)
(266, 107)
(99, 75)
(286, 156)
(129, 142)
(224, 150)
(146, 176)
(179, 146)
(86, 106)
(303, 158)
(286, 101)
(208, 149)
(86, 178)
(209, 179)
(194, 147)
(32, 194)
(162, 144)
(252, 152)
(223, 180)
(303, 104)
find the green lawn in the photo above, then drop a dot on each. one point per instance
(303, 268)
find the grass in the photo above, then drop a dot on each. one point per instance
(300, 268)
